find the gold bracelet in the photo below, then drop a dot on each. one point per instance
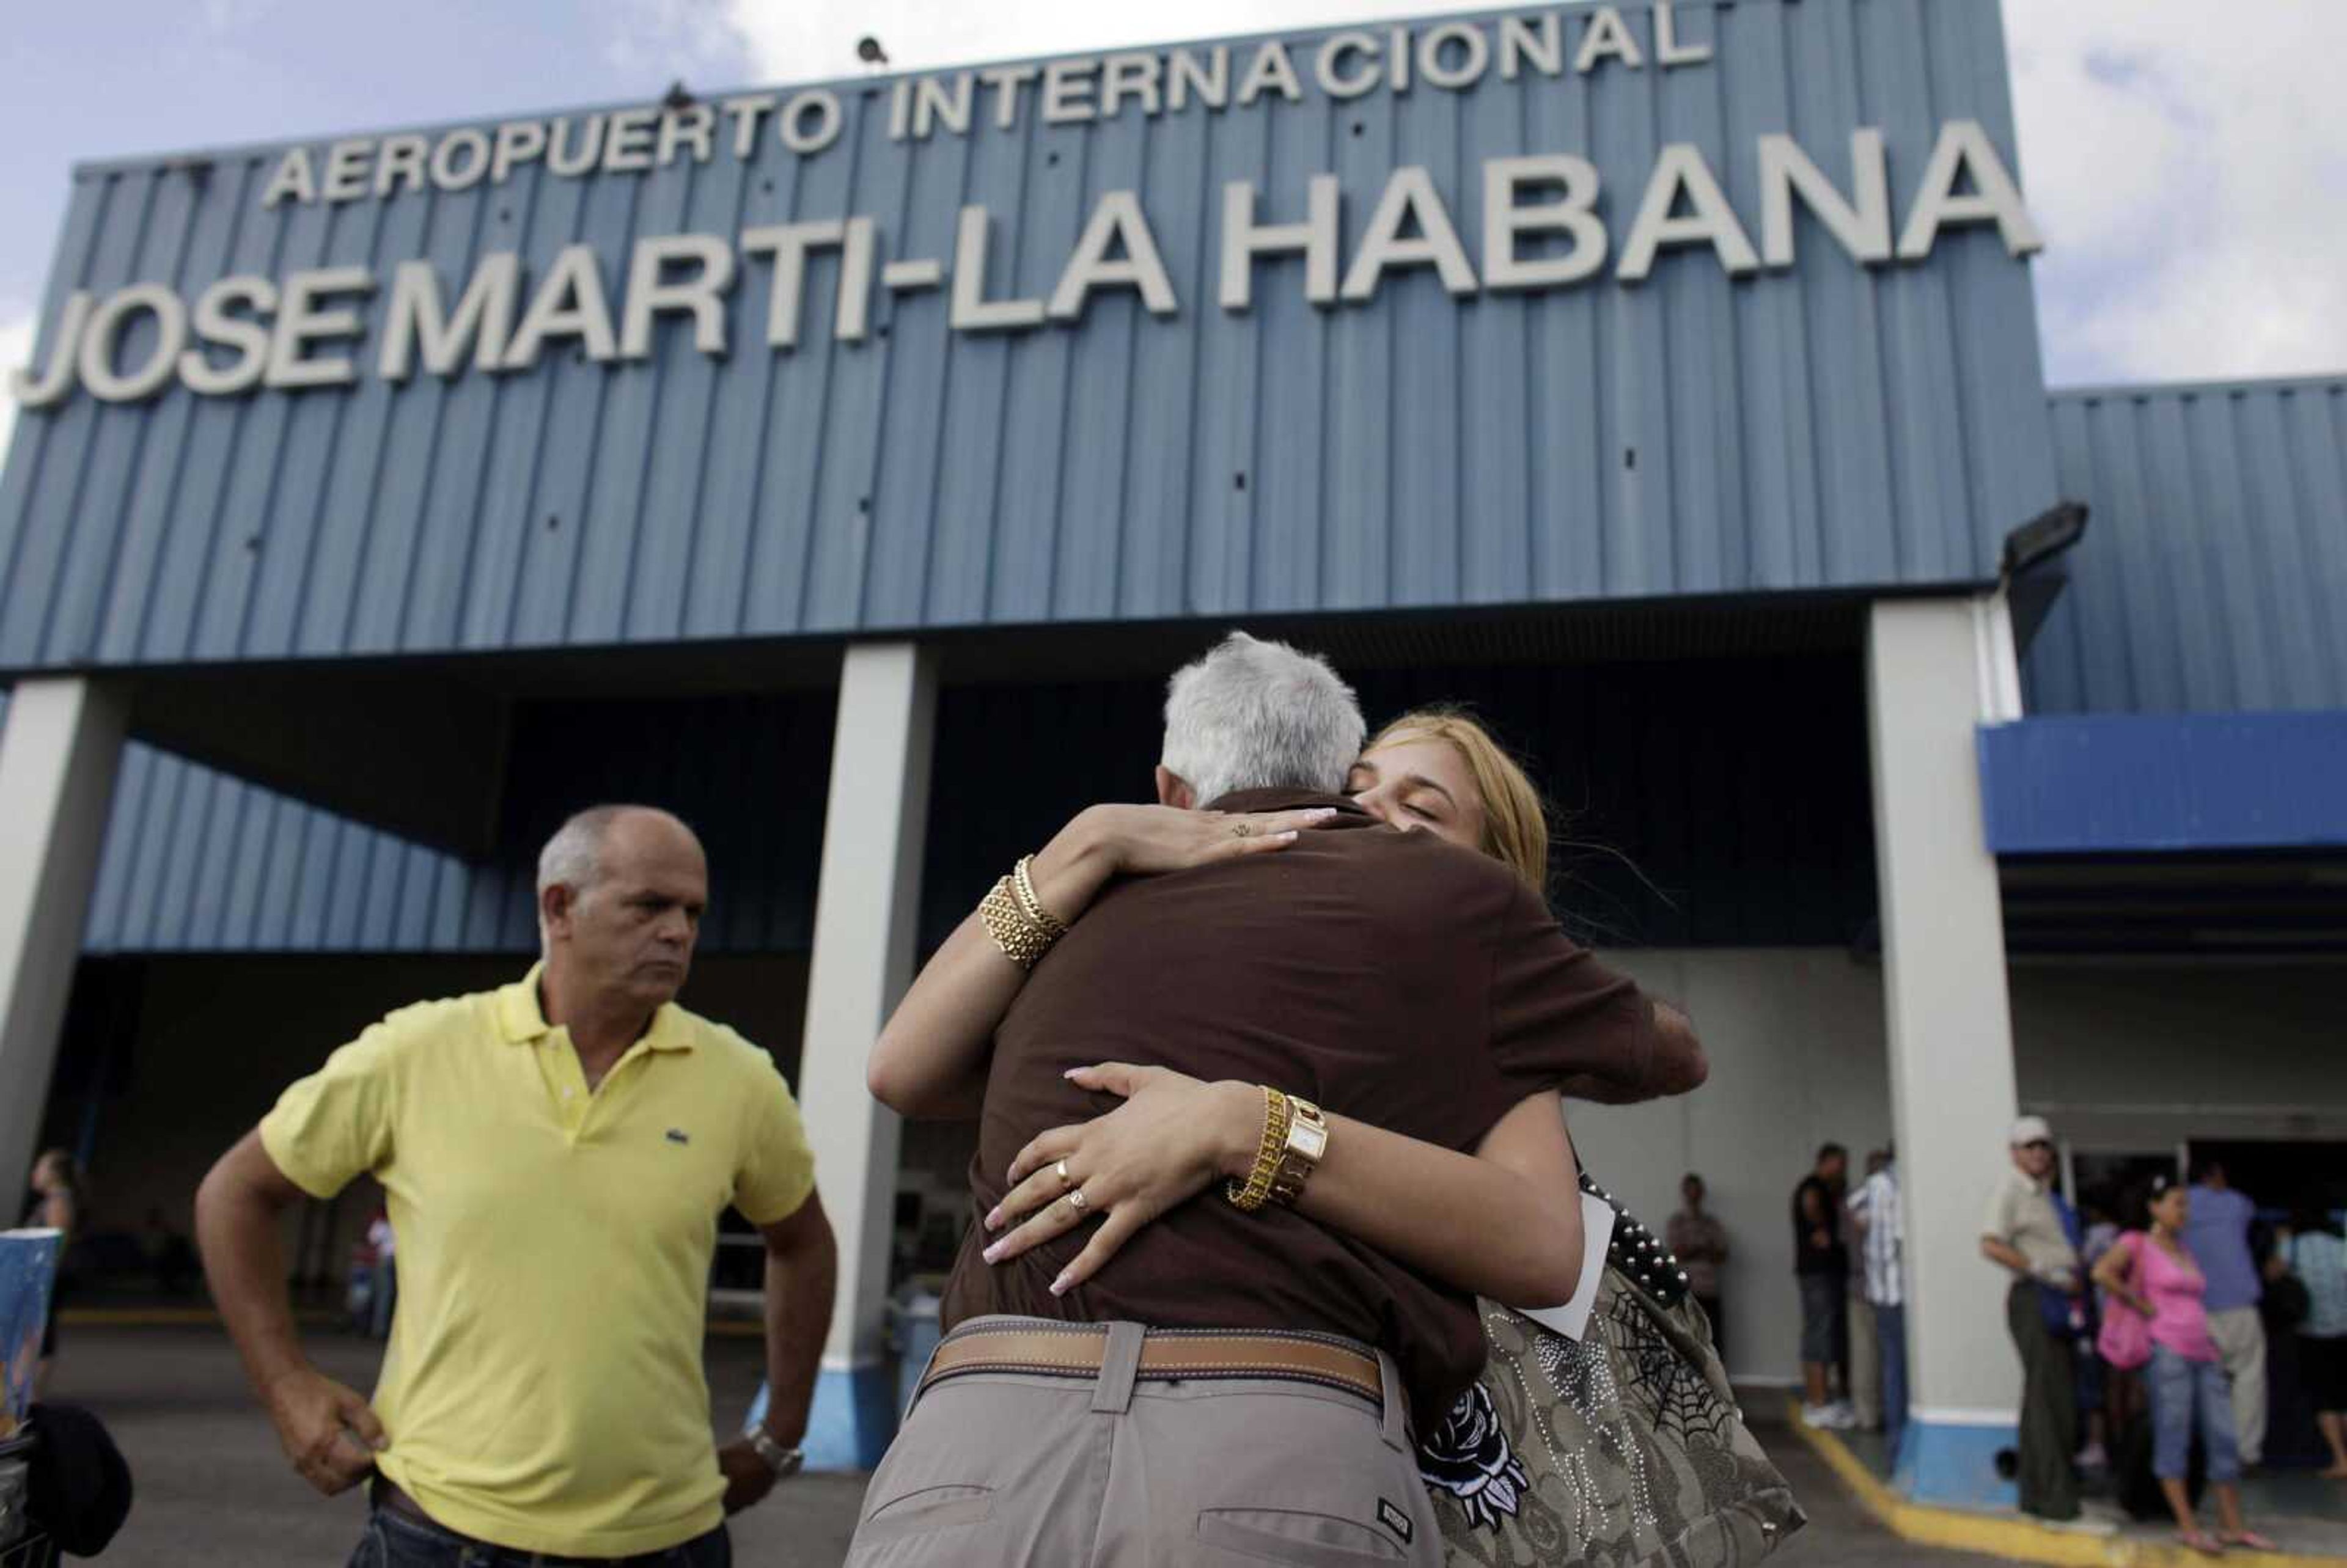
(1021, 940)
(1031, 903)
(1277, 1115)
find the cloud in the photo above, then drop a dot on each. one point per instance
(787, 42)
(2185, 161)
(694, 40)
(15, 352)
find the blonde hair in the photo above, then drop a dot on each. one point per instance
(1515, 818)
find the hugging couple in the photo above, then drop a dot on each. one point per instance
(1268, 1080)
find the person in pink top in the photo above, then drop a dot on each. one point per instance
(2150, 1272)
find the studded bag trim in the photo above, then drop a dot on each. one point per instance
(1638, 1254)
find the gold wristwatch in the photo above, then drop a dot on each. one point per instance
(1307, 1144)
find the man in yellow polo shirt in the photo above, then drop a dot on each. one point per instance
(556, 1155)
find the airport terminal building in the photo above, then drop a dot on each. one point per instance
(845, 465)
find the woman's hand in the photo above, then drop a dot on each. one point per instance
(1169, 1139)
(1144, 840)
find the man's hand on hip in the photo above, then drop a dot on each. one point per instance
(748, 1477)
(328, 1431)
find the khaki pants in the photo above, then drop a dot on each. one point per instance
(2240, 1337)
(1865, 1369)
(1005, 1470)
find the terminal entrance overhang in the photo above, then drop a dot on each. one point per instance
(422, 747)
(2217, 836)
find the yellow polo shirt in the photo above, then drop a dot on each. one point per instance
(543, 1388)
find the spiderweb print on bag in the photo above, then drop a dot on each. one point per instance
(1679, 1400)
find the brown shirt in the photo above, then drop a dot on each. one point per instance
(1389, 976)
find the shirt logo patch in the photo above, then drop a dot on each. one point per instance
(1395, 1520)
(676, 1135)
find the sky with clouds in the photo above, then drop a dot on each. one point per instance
(2185, 157)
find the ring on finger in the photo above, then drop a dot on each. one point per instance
(1076, 1199)
(1065, 1179)
(1241, 830)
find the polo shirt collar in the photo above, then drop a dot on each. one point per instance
(522, 1018)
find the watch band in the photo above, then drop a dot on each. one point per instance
(1306, 1146)
(784, 1463)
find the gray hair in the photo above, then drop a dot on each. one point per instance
(573, 857)
(1260, 715)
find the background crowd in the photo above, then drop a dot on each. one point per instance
(2170, 1336)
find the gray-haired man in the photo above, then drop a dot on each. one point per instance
(1237, 1384)
(556, 1154)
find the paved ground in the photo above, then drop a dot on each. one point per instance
(1841, 1534)
(213, 1491)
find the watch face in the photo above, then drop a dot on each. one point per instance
(1309, 1139)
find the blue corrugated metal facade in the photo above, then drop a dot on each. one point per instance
(1832, 424)
(2213, 576)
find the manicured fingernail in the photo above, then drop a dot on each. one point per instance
(994, 1220)
(1323, 813)
(990, 1254)
(1059, 1286)
(1075, 1072)
(1287, 838)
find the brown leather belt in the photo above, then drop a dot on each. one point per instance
(383, 1495)
(1167, 1355)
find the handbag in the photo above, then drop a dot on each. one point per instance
(1623, 1447)
(2126, 1339)
(2064, 1312)
(2287, 1300)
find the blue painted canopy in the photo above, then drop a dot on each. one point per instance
(2130, 784)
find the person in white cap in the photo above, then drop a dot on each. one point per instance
(2023, 1232)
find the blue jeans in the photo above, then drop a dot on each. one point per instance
(394, 1540)
(1890, 1337)
(385, 1297)
(2180, 1390)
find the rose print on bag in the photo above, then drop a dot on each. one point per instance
(1468, 1457)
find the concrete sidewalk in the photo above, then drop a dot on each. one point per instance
(2305, 1516)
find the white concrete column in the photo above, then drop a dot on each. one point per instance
(59, 750)
(1935, 668)
(866, 905)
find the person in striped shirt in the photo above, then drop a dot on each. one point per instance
(1882, 1234)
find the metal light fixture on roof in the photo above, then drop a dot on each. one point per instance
(868, 50)
(2042, 538)
(678, 99)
